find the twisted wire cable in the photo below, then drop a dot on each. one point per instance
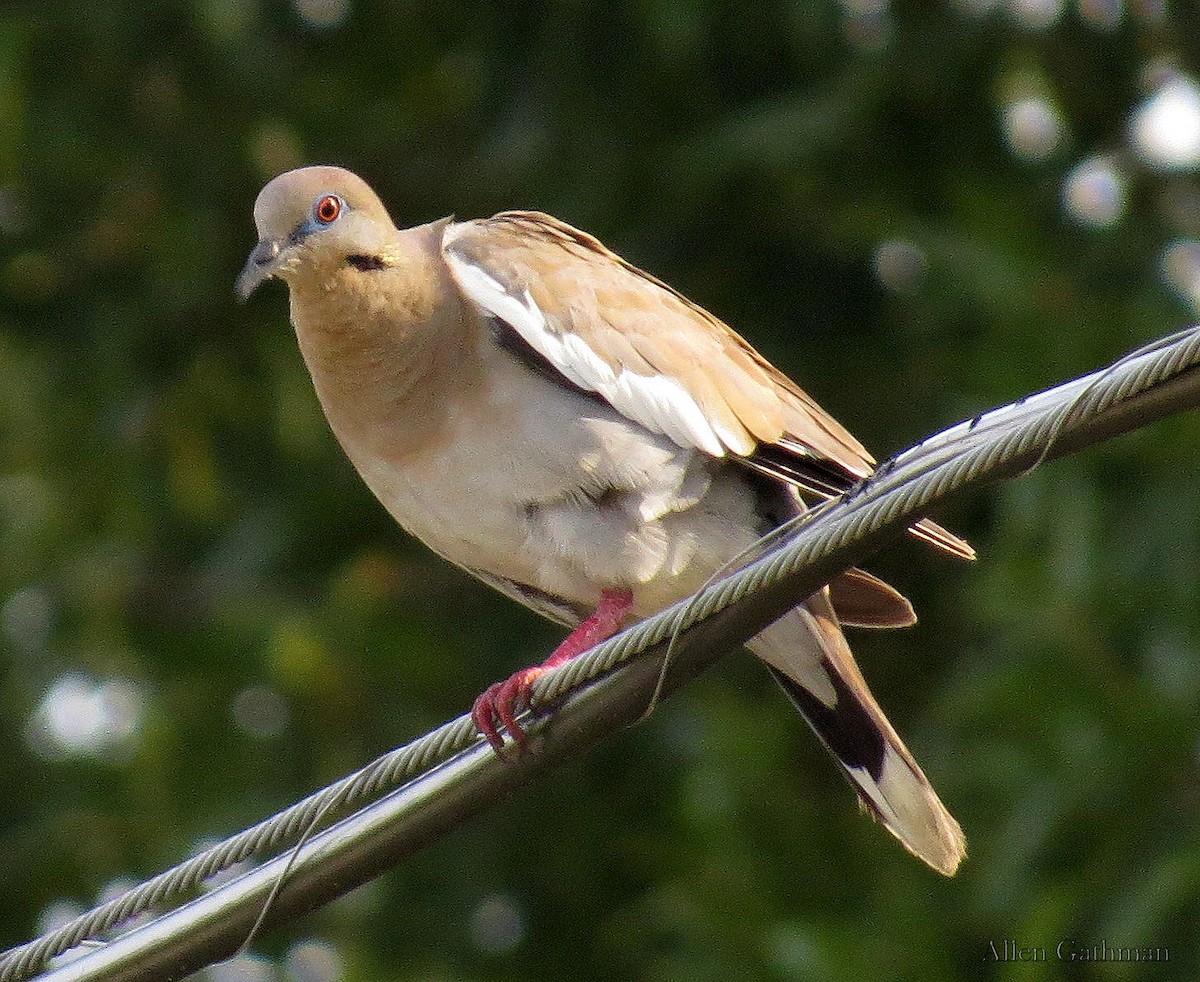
(1145, 385)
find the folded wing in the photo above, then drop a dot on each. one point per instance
(655, 356)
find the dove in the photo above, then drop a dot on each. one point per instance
(580, 436)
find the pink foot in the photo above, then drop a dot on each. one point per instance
(496, 710)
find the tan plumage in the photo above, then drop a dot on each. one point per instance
(622, 314)
(579, 435)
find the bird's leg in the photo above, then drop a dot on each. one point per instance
(497, 708)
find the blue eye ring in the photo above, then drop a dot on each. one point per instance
(327, 209)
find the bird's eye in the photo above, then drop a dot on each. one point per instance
(327, 208)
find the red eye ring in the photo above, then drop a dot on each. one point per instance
(327, 209)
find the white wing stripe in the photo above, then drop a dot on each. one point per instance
(659, 403)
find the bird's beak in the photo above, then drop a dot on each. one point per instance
(262, 265)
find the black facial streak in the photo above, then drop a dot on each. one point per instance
(366, 263)
(846, 729)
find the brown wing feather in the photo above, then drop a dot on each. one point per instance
(634, 320)
(767, 404)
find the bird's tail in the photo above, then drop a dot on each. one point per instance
(809, 657)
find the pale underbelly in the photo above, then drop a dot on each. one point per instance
(555, 528)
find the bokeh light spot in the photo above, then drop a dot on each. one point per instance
(900, 266)
(867, 23)
(322, 14)
(261, 711)
(497, 924)
(1033, 128)
(1103, 15)
(1179, 266)
(81, 717)
(1094, 193)
(1165, 129)
(58, 914)
(1150, 12)
(242, 968)
(313, 961)
(1036, 15)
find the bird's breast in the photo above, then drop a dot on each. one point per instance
(538, 483)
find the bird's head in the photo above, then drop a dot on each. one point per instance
(314, 221)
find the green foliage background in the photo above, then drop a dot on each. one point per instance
(175, 517)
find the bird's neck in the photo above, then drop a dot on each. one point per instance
(387, 348)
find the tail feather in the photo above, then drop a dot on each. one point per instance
(863, 600)
(811, 660)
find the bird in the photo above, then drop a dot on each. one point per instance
(583, 438)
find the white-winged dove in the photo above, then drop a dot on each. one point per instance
(584, 439)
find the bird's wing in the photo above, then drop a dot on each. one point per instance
(550, 607)
(609, 328)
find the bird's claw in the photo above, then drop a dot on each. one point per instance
(497, 708)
